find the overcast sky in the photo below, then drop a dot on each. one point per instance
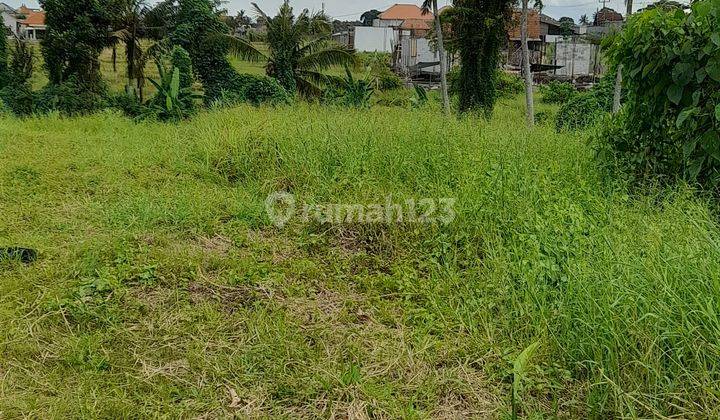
(350, 10)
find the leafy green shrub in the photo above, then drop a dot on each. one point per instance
(4, 55)
(587, 108)
(180, 59)
(17, 93)
(388, 81)
(204, 36)
(379, 66)
(129, 105)
(671, 69)
(557, 92)
(507, 85)
(77, 32)
(350, 92)
(259, 90)
(582, 111)
(393, 98)
(18, 99)
(420, 98)
(173, 101)
(70, 98)
(22, 63)
(256, 90)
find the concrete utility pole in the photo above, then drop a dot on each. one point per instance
(526, 65)
(617, 95)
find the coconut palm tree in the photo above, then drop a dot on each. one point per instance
(129, 27)
(299, 49)
(426, 6)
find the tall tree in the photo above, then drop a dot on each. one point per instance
(77, 32)
(3, 59)
(529, 102)
(369, 17)
(129, 26)
(300, 48)
(426, 6)
(480, 29)
(617, 94)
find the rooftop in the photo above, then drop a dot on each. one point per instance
(405, 12)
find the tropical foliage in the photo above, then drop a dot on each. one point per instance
(583, 110)
(671, 122)
(557, 92)
(77, 32)
(479, 28)
(175, 98)
(299, 49)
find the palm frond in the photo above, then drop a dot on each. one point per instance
(261, 15)
(307, 88)
(320, 79)
(427, 6)
(244, 49)
(323, 59)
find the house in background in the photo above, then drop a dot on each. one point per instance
(402, 30)
(23, 22)
(33, 26)
(9, 19)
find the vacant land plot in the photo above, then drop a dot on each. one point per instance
(162, 287)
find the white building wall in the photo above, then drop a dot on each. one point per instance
(577, 59)
(387, 23)
(416, 51)
(375, 39)
(9, 21)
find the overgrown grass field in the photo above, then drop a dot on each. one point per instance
(162, 288)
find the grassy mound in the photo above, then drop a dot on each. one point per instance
(161, 287)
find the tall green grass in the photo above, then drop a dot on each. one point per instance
(163, 288)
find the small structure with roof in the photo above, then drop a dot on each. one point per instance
(23, 22)
(402, 30)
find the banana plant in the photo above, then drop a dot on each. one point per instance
(172, 102)
(357, 92)
(420, 98)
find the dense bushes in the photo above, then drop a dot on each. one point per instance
(480, 30)
(16, 93)
(557, 92)
(587, 108)
(256, 90)
(4, 54)
(671, 124)
(69, 97)
(506, 84)
(77, 32)
(379, 67)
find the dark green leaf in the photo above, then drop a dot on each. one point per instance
(717, 112)
(684, 115)
(689, 146)
(715, 38)
(713, 69)
(682, 73)
(695, 168)
(675, 94)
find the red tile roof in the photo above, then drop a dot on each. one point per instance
(34, 18)
(405, 12)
